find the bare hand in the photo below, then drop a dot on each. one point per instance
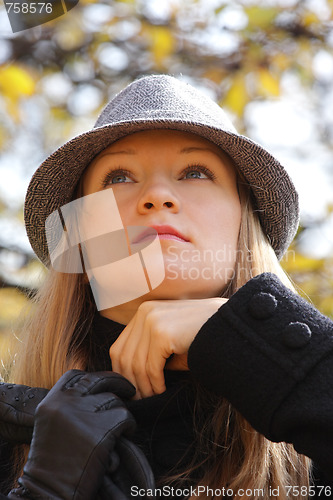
(159, 329)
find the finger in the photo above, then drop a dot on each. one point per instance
(96, 382)
(155, 365)
(137, 395)
(129, 355)
(156, 376)
(67, 380)
(140, 356)
(135, 463)
(117, 349)
(122, 352)
(135, 352)
(142, 380)
(109, 382)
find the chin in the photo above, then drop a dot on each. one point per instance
(182, 290)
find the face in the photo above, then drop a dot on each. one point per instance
(185, 188)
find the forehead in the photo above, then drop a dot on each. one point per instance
(173, 139)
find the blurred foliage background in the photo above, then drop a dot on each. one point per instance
(55, 78)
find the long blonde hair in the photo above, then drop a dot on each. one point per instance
(235, 455)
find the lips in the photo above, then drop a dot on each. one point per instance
(164, 233)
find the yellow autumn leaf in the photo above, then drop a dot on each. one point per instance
(237, 96)
(15, 82)
(260, 17)
(268, 85)
(310, 18)
(162, 43)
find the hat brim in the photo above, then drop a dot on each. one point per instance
(54, 182)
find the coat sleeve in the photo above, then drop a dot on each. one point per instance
(270, 353)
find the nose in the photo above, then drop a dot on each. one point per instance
(159, 196)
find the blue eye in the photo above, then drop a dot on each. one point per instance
(198, 172)
(195, 174)
(118, 176)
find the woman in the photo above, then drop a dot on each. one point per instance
(222, 357)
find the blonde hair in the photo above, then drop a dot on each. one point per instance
(235, 455)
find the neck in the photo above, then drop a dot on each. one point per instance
(123, 313)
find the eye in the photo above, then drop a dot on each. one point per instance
(197, 172)
(117, 176)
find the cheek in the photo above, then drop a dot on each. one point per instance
(221, 216)
(231, 214)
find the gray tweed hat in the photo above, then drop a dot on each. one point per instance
(163, 102)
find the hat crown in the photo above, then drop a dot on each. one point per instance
(163, 97)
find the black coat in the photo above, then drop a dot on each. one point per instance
(269, 353)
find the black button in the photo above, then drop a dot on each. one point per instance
(262, 305)
(296, 335)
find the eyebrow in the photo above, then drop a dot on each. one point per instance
(193, 149)
(122, 152)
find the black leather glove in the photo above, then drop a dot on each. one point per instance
(76, 427)
(17, 411)
(128, 467)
